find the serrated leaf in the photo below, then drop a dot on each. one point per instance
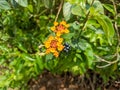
(67, 10)
(4, 5)
(23, 3)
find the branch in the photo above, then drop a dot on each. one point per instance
(59, 9)
(101, 59)
(108, 62)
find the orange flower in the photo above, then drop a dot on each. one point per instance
(54, 45)
(60, 28)
(56, 54)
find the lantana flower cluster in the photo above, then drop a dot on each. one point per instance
(54, 44)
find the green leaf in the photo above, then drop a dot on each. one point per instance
(5, 81)
(110, 8)
(49, 3)
(118, 20)
(68, 36)
(92, 11)
(49, 56)
(78, 56)
(21, 47)
(77, 10)
(36, 68)
(92, 24)
(30, 7)
(4, 49)
(4, 5)
(107, 26)
(74, 1)
(90, 57)
(82, 68)
(98, 6)
(23, 3)
(83, 44)
(39, 61)
(13, 3)
(75, 25)
(27, 57)
(67, 11)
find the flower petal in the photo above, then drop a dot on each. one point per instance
(52, 50)
(63, 23)
(56, 54)
(60, 48)
(53, 28)
(47, 51)
(55, 23)
(66, 31)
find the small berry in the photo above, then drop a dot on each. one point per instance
(66, 47)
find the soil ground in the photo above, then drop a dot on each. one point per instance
(67, 81)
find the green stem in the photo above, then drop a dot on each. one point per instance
(87, 16)
(86, 19)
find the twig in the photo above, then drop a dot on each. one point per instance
(87, 17)
(43, 12)
(108, 62)
(103, 66)
(59, 9)
(101, 59)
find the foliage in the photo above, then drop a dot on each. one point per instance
(93, 41)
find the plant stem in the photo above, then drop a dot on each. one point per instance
(87, 17)
(116, 28)
(103, 60)
(59, 9)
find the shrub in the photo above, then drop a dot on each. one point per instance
(85, 35)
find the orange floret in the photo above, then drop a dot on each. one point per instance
(54, 45)
(60, 28)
